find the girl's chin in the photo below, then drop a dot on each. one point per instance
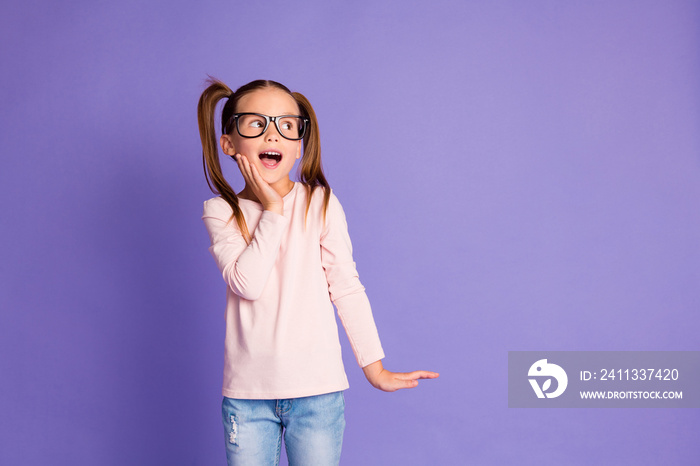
(277, 181)
(269, 172)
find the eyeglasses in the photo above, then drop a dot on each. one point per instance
(253, 125)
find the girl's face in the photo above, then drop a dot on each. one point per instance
(270, 153)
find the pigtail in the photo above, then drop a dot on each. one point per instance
(311, 170)
(206, 109)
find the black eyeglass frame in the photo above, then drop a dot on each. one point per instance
(275, 119)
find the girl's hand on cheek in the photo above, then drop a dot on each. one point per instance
(268, 197)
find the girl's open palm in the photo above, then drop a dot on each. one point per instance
(391, 381)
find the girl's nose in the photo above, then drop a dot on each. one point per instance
(271, 134)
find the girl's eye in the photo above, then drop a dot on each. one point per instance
(287, 125)
(251, 121)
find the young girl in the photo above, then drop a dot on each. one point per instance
(285, 254)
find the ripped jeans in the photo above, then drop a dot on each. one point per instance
(313, 430)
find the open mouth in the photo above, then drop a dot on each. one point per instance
(270, 158)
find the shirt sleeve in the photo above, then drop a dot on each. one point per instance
(346, 291)
(245, 267)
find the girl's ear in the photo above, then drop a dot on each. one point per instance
(227, 145)
(299, 149)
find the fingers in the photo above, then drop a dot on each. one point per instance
(257, 178)
(409, 383)
(246, 169)
(250, 173)
(418, 375)
(239, 161)
(402, 380)
(398, 384)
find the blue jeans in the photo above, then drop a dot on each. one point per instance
(313, 430)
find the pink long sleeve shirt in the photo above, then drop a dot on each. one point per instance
(281, 335)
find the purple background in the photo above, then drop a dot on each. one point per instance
(516, 175)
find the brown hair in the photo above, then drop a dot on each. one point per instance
(311, 171)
